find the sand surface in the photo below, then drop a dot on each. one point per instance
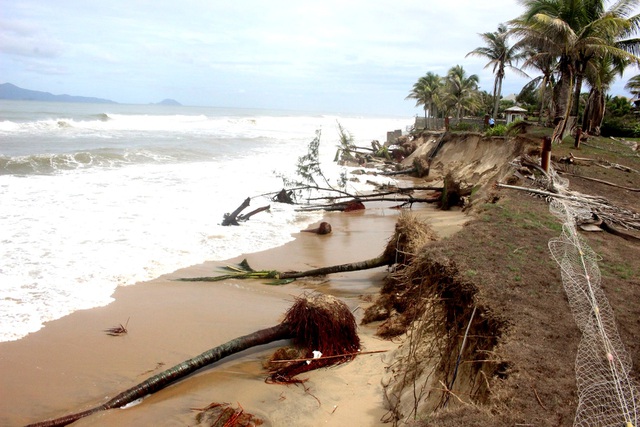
(72, 365)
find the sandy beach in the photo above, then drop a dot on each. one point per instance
(72, 365)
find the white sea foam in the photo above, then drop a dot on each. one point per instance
(145, 204)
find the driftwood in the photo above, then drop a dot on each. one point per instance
(407, 171)
(605, 226)
(378, 195)
(323, 228)
(252, 213)
(351, 205)
(631, 144)
(599, 162)
(233, 217)
(346, 207)
(611, 184)
(284, 196)
(322, 323)
(599, 207)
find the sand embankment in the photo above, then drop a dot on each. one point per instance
(470, 158)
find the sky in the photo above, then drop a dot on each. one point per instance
(341, 56)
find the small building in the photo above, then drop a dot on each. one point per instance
(515, 113)
(393, 136)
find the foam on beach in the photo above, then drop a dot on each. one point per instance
(94, 199)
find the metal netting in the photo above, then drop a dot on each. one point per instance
(607, 394)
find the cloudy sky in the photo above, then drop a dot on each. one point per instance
(351, 56)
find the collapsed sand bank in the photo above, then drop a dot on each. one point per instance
(71, 365)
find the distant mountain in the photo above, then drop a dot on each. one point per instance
(13, 92)
(168, 102)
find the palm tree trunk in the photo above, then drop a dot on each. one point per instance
(575, 104)
(171, 375)
(497, 88)
(435, 116)
(561, 127)
(543, 93)
(380, 261)
(497, 106)
(593, 112)
(562, 92)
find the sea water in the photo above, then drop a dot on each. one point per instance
(96, 196)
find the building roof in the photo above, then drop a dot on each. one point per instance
(515, 109)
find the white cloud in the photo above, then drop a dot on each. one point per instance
(23, 38)
(333, 54)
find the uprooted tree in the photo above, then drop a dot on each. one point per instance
(409, 236)
(324, 194)
(235, 216)
(314, 323)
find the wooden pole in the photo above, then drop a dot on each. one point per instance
(546, 153)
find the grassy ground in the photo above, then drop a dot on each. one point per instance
(521, 350)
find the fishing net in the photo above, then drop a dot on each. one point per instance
(607, 394)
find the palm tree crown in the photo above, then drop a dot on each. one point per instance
(633, 85)
(578, 32)
(424, 91)
(462, 89)
(501, 56)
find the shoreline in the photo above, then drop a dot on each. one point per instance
(71, 364)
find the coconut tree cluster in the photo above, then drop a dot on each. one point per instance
(457, 93)
(571, 45)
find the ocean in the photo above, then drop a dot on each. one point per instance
(96, 196)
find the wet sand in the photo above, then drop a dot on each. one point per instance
(72, 365)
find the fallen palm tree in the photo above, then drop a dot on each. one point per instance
(410, 234)
(318, 323)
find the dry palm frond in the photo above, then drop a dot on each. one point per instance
(118, 330)
(223, 415)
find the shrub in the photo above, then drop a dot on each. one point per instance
(620, 127)
(464, 127)
(497, 130)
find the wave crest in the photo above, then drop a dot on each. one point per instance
(47, 164)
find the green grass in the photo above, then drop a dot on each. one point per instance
(470, 273)
(623, 271)
(528, 220)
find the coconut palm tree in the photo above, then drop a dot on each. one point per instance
(501, 56)
(443, 102)
(633, 85)
(424, 91)
(462, 90)
(577, 33)
(547, 65)
(599, 80)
